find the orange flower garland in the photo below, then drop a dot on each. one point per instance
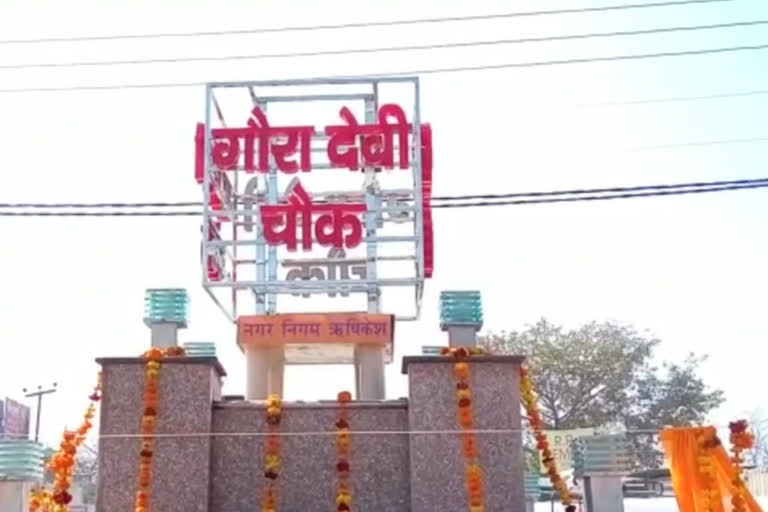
(62, 464)
(272, 454)
(153, 358)
(741, 440)
(343, 495)
(532, 410)
(705, 461)
(473, 471)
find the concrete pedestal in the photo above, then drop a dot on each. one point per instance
(209, 456)
(14, 496)
(181, 461)
(265, 372)
(165, 334)
(369, 372)
(604, 493)
(462, 335)
(437, 460)
(530, 505)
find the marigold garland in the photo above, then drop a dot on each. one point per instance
(532, 410)
(62, 463)
(343, 493)
(153, 358)
(473, 472)
(705, 461)
(272, 454)
(741, 440)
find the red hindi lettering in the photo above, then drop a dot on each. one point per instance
(227, 149)
(378, 147)
(200, 153)
(426, 198)
(225, 152)
(287, 214)
(258, 123)
(341, 138)
(213, 261)
(294, 136)
(339, 218)
(337, 226)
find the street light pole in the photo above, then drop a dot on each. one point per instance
(39, 394)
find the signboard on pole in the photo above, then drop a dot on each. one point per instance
(315, 188)
(560, 444)
(15, 420)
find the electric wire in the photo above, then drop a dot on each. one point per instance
(363, 24)
(435, 199)
(382, 49)
(414, 72)
(676, 99)
(585, 191)
(408, 432)
(551, 200)
(530, 199)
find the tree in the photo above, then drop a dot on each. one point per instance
(758, 456)
(600, 375)
(673, 396)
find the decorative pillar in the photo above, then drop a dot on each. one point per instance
(602, 461)
(182, 449)
(21, 469)
(256, 372)
(165, 312)
(461, 315)
(437, 462)
(369, 372)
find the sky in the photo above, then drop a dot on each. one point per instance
(689, 269)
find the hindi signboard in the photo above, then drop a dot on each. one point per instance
(308, 328)
(561, 446)
(309, 338)
(338, 177)
(15, 419)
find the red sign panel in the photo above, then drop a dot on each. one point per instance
(15, 419)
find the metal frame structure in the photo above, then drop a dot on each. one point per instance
(384, 206)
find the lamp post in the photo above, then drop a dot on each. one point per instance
(461, 315)
(39, 394)
(165, 312)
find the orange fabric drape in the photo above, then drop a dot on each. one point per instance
(682, 449)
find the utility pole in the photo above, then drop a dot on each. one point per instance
(39, 394)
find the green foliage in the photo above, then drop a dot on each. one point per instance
(600, 375)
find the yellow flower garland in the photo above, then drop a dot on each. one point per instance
(473, 472)
(741, 440)
(153, 362)
(272, 454)
(705, 462)
(343, 493)
(63, 462)
(532, 410)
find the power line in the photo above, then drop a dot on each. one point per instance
(606, 197)
(102, 205)
(364, 24)
(483, 67)
(584, 191)
(381, 49)
(676, 145)
(676, 99)
(435, 199)
(530, 198)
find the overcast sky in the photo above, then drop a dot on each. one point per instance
(691, 270)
